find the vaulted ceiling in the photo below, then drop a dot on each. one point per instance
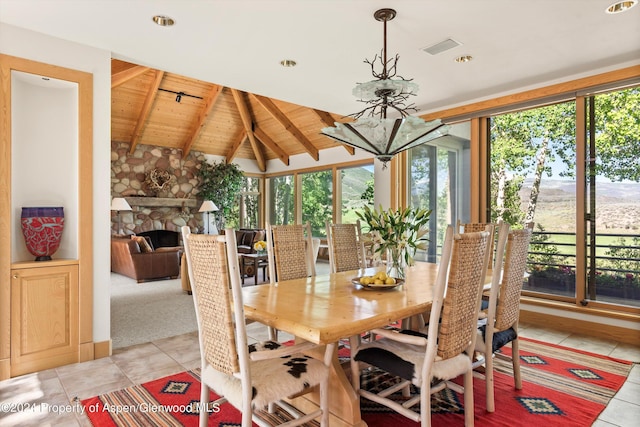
(154, 107)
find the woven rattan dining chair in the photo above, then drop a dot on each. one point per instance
(473, 227)
(291, 255)
(446, 351)
(290, 252)
(501, 324)
(346, 247)
(249, 377)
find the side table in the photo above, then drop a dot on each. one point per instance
(255, 260)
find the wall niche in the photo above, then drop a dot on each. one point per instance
(46, 160)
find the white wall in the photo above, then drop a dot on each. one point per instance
(38, 47)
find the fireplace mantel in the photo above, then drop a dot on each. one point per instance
(163, 202)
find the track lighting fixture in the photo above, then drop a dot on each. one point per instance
(180, 94)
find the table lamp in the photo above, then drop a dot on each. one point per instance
(119, 204)
(208, 206)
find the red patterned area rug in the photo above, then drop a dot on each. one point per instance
(561, 387)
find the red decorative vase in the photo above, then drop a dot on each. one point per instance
(42, 230)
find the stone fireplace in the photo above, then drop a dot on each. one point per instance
(167, 208)
(163, 238)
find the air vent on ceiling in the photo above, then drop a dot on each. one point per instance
(441, 46)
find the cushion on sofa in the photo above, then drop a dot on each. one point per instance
(145, 247)
(244, 240)
(259, 235)
(247, 238)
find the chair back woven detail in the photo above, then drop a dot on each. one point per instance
(474, 227)
(208, 261)
(290, 250)
(515, 265)
(464, 287)
(346, 247)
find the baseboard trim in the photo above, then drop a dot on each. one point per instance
(102, 349)
(86, 351)
(584, 327)
(5, 369)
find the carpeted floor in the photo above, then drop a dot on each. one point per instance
(562, 387)
(148, 311)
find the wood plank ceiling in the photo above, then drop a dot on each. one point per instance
(210, 118)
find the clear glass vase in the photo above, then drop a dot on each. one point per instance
(396, 262)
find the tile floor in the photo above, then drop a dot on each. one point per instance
(48, 398)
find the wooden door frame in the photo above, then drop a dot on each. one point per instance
(84, 81)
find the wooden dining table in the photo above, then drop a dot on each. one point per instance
(325, 308)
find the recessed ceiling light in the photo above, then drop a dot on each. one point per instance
(163, 20)
(464, 58)
(288, 63)
(621, 6)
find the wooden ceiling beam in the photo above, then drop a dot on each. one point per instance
(247, 121)
(269, 105)
(328, 120)
(271, 144)
(238, 141)
(209, 102)
(146, 109)
(124, 76)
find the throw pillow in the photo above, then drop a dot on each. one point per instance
(247, 238)
(145, 247)
(260, 235)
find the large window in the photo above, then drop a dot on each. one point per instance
(250, 203)
(356, 191)
(317, 201)
(309, 195)
(533, 180)
(439, 180)
(537, 176)
(282, 200)
(613, 198)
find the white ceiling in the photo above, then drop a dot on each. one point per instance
(516, 44)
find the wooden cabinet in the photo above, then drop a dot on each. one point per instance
(44, 315)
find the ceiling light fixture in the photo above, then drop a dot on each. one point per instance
(621, 6)
(179, 95)
(464, 58)
(375, 133)
(288, 63)
(163, 20)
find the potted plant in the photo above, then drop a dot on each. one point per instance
(397, 233)
(221, 183)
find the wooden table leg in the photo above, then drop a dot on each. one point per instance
(242, 266)
(343, 401)
(255, 274)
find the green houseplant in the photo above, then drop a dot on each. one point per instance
(221, 183)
